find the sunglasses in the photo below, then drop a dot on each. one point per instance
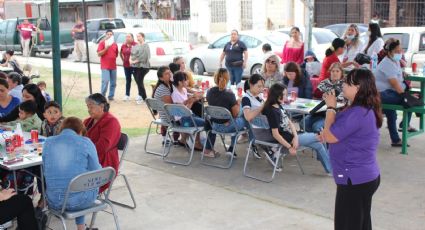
(270, 61)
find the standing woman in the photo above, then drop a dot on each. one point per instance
(352, 47)
(293, 51)
(353, 137)
(125, 53)
(376, 43)
(140, 55)
(236, 55)
(332, 53)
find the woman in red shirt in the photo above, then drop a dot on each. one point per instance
(125, 57)
(293, 51)
(104, 131)
(332, 53)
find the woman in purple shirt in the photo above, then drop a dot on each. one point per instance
(353, 137)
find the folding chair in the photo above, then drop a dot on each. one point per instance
(260, 122)
(219, 113)
(174, 111)
(122, 146)
(6, 225)
(155, 106)
(85, 182)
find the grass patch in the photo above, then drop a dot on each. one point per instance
(136, 132)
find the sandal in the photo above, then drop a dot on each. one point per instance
(211, 154)
(398, 144)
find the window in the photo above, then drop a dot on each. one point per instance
(246, 14)
(249, 41)
(157, 37)
(11, 27)
(422, 43)
(218, 11)
(120, 38)
(111, 24)
(324, 36)
(277, 39)
(403, 37)
(220, 43)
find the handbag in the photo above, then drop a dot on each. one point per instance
(411, 101)
(236, 63)
(362, 58)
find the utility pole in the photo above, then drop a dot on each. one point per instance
(310, 6)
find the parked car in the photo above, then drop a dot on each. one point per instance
(206, 58)
(162, 47)
(339, 29)
(321, 40)
(97, 27)
(10, 38)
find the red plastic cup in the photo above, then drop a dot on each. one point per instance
(207, 84)
(414, 67)
(203, 85)
(239, 92)
(34, 136)
(293, 95)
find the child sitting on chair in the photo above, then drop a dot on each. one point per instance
(27, 117)
(52, 124)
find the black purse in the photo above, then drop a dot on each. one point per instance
(411, 101)
(362, 58)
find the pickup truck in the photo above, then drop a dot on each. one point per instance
(412, 41)
(10, 38)
(97, 27)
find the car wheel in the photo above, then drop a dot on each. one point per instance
(256, 69)
(198, 67)
(46, 52)
(65, 53)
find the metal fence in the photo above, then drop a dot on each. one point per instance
(178, 29)
(328, 12)
(410, 13)
(382, 8)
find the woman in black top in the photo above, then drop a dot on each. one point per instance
(236, 54)
(30, 92)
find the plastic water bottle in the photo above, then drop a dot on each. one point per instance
(374, 61)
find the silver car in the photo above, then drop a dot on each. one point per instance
(206, 58)
(163, 48)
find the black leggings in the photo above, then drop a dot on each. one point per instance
(20, 207)
(353, 204)
(139, 75)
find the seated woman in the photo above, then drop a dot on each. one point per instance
(391, 84)
(7, 102)
(11, 61)
(315, 123)
(297, 81)
(252, 103)
(104, 131)
(283, 130)
(271, 70)
(219, 96)
(18, 206)
(180, 96)
(30, 92)
(66, 156)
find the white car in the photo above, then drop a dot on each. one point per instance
(321, 40)
(207, 58)
(163, 48)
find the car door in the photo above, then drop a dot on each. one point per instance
(3, 28)
(255, 54)
(12, 43)
(419, 57)
(211, 58)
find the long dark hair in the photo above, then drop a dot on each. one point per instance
(375, 33)
(275, 94)
(336, 43)
(178, 77)
(160, 73)
(38, 96)
(368, 95)
(294, 67)
(254, 79)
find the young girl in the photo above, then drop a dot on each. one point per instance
(315, 123)
(283, 130)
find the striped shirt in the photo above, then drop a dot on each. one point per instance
(160, 92)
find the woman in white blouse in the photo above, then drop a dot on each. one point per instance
(353, 45)
(376, 43)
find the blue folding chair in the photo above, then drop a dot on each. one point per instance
(174, 112)
(219, 113)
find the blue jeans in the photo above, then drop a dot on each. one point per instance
(240, 123)
(310, 140)
(187, 121)
(390, 96)
(313, 123)
(109, 75)
(235, 74)
(128, 71)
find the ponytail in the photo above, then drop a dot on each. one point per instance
(221, 78)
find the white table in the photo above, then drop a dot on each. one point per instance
(6, 69)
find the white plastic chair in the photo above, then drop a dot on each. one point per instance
(122, 146)
(86, 182)
(220, 113)
(173, 111)
(155, 106)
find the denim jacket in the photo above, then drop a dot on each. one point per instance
(64, 157)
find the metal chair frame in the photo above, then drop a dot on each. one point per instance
(158, 106)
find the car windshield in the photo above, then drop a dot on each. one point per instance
(324, 36)
(403, 37)
(157, 37)
(277, 39)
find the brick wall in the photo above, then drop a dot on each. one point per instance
(392, 19)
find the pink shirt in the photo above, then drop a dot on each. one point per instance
(291, 54)
(178, 97)
(26, 30)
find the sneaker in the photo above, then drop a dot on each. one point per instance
(138, 98)
(139, 102)
(242, 139)
(126, 98)
(255, 152)
(272, 156)
(110, 98)
(166, 143)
